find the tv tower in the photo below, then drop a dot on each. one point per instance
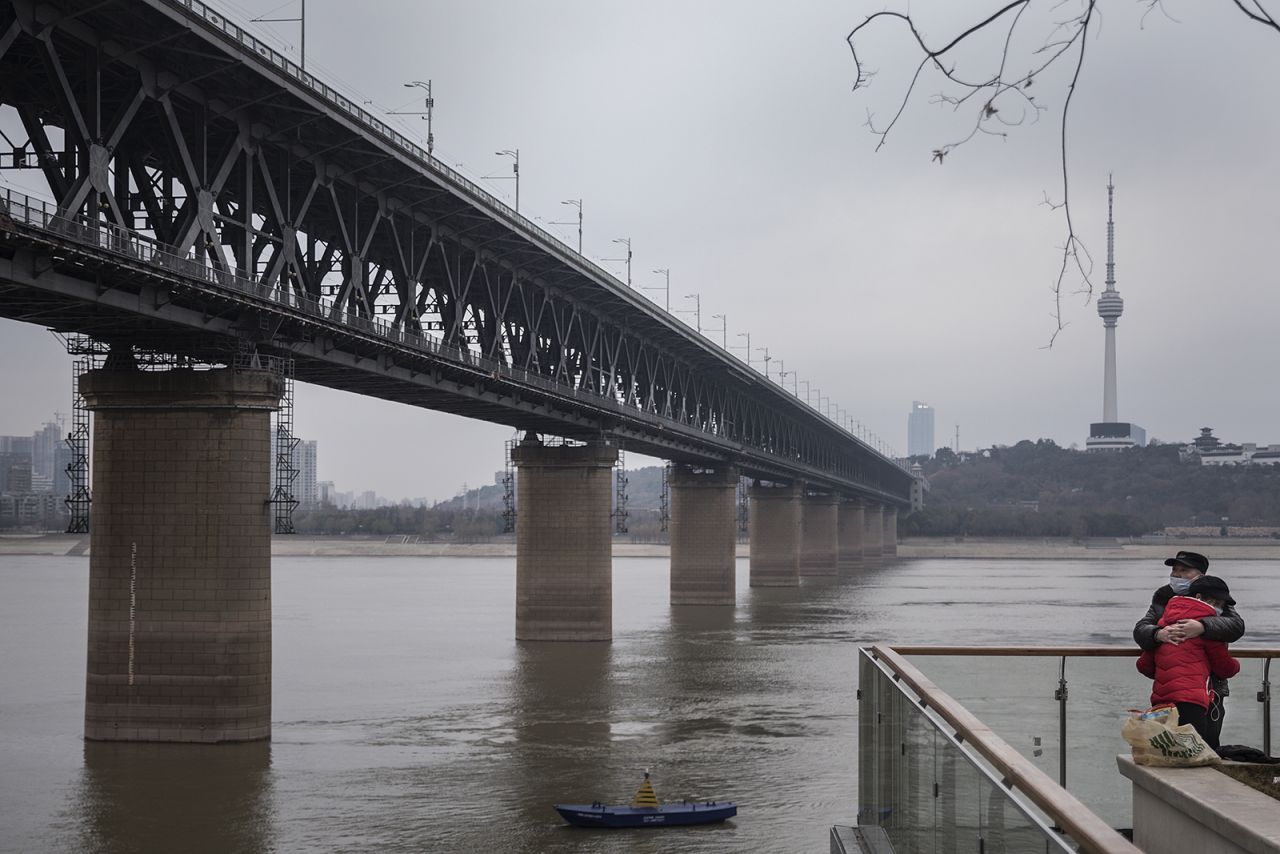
(1110, 307)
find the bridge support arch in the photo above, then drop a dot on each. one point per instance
(819, 548)
(180, 556)
(775, 535)
(704, 535)
(850, 535)
(564, 541)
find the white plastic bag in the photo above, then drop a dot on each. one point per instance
(1157, 739)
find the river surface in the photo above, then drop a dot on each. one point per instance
(407, 718)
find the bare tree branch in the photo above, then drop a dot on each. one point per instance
(992, 95)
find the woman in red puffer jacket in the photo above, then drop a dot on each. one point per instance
(1182, 670)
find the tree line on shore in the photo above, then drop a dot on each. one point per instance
(1038, 489)
(1031, 489)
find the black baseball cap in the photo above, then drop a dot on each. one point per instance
(1213, 587)
(1192, 560)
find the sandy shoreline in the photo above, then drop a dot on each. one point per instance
(917, 547)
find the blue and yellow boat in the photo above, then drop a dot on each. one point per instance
(645, 810)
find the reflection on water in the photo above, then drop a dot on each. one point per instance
(407, 718)
(191, 798)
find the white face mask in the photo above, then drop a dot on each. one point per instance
(1179, 585)
(1216, 610)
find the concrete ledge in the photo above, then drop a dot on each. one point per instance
(1199, 809)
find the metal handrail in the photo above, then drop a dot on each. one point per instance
(221, 23)
(1065, 652)
(1087, 829)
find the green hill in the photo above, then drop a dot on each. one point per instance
(1041, 489)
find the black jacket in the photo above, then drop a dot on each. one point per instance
(1228, 628)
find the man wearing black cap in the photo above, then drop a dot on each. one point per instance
(1228, 627)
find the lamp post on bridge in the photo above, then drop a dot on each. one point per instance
(697, 310)
(724, 329)
(626, 241)
(782, 374)
(514, 154)
(301, 21)
(805, 383)
(765, 350)
(429, 104)
(666, 288)
(577, 203)
(746, 335)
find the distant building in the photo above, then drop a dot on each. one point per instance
(1111, 434)
(920, 430)
(1213, 452)
(326, 493)
(304, 462)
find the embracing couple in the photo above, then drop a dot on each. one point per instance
(1184, 638)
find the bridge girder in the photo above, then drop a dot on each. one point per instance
(196, 147)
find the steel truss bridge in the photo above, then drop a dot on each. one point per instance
(203, 194)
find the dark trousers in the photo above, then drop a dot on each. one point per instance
(1202, 719)
(1217, 712)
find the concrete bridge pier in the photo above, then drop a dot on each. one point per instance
(872, 531)
(889, 543)
(819, 548)
(180, 555)
(564, 541)
(775, 535)
(849, 535)
(704, 535)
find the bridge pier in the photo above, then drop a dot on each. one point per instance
(775, 535)
(850, 533)
(180, 556)
(889, 543)
(819, 546)
(564, 541)
(704, 535)
(872, 531)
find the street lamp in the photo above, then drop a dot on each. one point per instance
(666, 289)
(746, 335)
(626, 241)
(514, 154)
(301, 21)
(697, 310)
(577, 203)
(806, 391)
(766, 360)
(782, 375)
(428, 104)
(724, 329)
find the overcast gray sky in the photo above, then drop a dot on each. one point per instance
(723, 139)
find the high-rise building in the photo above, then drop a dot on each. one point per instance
(304, 463)
(920, 430)
(1111, 434)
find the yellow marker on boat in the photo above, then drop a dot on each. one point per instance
(645, 796)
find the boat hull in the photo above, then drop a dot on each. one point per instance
(667, 815)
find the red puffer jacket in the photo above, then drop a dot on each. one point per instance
(1182, 670)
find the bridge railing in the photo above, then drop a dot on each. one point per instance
(42, 215)
(425, 160)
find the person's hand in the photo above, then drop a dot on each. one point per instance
(1166, 634)
(1190, 628)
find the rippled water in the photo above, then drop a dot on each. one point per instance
(408, 719)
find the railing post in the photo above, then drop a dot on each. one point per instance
(1061, 696)
(1264, 697)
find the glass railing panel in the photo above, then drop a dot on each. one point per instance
(929, 792)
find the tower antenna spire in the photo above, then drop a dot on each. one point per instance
(1110, 307)
(1111, 237)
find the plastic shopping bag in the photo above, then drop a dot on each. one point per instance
(1157, 739)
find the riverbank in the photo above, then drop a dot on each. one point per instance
(914, 547)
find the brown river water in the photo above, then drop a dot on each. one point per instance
(407, 718)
